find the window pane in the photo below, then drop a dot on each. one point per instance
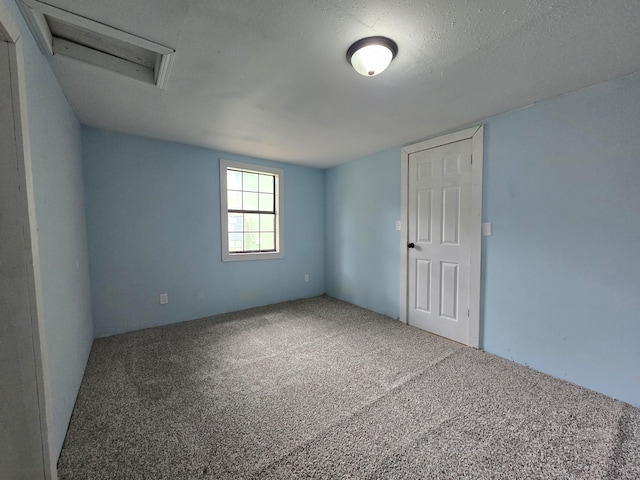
(267, 241)
(249, 182)
(249, 201)
(267, 223)
(235, 242)
(235, 222)
(266, 202)
(234, 180)
(251, 241)
(234, 200)
(266, 183)
(251, 222)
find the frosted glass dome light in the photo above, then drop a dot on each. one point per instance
(372, 55)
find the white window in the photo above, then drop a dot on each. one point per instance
(251, 211)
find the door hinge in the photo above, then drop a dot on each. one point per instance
(471, 159)
(468, 313)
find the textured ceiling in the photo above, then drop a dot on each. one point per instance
(270, 78)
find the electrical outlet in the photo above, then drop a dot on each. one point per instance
(398, 225)
(164, 298)
(306, 278)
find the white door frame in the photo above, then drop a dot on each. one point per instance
(38, 409)
(476, 134)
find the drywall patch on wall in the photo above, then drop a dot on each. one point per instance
(153, 220)
(561, 271)
(362, 205)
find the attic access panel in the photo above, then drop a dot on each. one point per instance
(59, 32)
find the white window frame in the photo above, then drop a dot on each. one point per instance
(224, 213)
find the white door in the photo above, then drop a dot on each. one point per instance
(439, 212)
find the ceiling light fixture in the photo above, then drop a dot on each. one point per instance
(372, 55)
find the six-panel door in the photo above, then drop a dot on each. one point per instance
(439, 218)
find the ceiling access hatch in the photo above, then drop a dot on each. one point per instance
(59, 32)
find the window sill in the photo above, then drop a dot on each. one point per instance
(239, 257)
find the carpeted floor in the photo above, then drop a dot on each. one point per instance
(318, 388)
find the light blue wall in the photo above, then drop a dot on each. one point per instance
(561, 273)
(56, 156)
(153, 220)
(562, 269)
(362, 204)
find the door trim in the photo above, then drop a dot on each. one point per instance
(25, 204)
(476, 134)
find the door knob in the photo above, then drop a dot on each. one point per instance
(411, 245)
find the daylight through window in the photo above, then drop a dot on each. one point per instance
(250, 198)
